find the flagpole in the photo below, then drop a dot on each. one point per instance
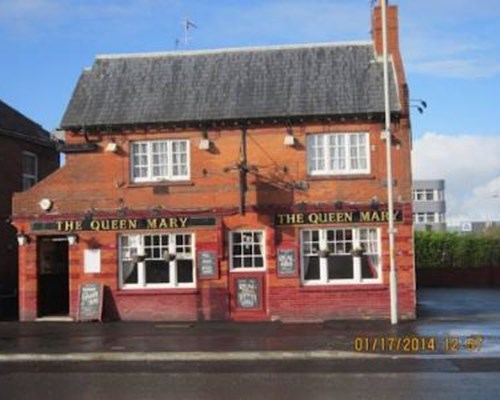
(393, 284)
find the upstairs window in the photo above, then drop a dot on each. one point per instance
(338, 154)
(30, 170)
(160, 160)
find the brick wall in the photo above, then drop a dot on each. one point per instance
(101, 180)
(99, 183)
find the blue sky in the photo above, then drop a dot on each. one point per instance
(451, 49)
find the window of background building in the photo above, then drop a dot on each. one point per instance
(338, 153)
(157, 261)
(247, 250)
(160, 160)
(30, 170)
(329, 255)
(427, 195)
(426, 218)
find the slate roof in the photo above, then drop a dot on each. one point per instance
(15, 124)
(230, 84)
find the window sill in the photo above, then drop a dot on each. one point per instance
(346, 177)
(132, 185)
(156, 292)
(347, 287)
(246, 270)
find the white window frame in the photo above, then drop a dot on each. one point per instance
(426, 218)
(169, 175)
(28, 175)
(172, 265)
(263, 247)
(357, 265)
(422, 195)
(329, 147)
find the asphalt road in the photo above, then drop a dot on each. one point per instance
(339, 379)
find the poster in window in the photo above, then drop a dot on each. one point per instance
(92, 261)
(207, 265)
(248, 293)
(287, 263)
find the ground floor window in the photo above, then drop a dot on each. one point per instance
(340, 255)
(157, 261)
(247, 250)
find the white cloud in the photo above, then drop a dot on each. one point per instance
(37, 17)
(458, 44)
(27, 8)
(458, 68)
(471, 167)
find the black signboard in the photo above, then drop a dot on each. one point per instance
(207, 265)
(90, 302)
(336, 217)
(248, 293)
(123, 224)
(287, 265)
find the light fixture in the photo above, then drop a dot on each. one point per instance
(72, 239)
(111, 147)
(22, 239)
(289, 139)
(374, 203)
(204, 141)
(45, 204)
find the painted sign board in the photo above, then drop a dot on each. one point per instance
(90, 301)
(287, 263)
(207, 265)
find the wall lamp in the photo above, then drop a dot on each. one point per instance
(72, 239)
(111, 147)
(204, 141)
(22, 239)
(289, 139)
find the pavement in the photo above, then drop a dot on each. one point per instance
(452, 323)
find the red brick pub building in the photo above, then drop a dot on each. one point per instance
(240, 184)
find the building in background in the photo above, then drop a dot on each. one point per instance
(429, 205)
(27, 155)
(468, 227)
(241, 184)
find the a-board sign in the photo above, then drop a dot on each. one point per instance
(248, 293)
(207, 265)
(287, 265)
(90, 299)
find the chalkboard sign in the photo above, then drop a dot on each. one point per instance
(207, 265)
(248, 293)
(90, 302)
(287, 265)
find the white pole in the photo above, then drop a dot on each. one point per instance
(393, 283)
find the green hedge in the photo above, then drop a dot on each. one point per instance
(446, 249)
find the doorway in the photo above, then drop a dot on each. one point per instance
(53, 276)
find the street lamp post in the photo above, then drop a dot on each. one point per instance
(393, 284)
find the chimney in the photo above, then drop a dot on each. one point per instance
(392, 41)
(392, 28)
